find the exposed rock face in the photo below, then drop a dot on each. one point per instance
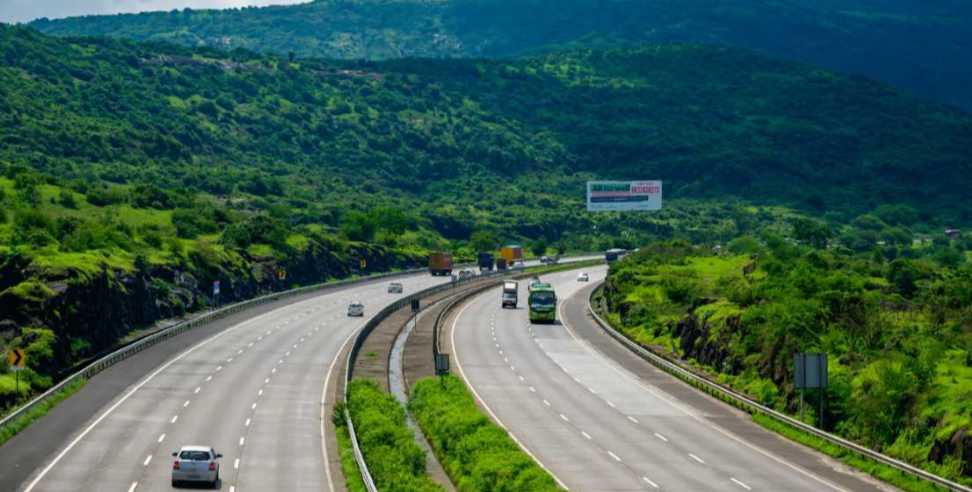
(101, 309)
(959, 446)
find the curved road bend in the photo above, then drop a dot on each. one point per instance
(598, 427)
(252, 391)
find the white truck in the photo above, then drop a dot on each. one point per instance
(510, 291)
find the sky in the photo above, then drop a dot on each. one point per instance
(26, 10)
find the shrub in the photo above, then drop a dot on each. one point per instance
(477, 454)
(395, 460)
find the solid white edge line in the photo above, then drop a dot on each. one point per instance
(747, 487)
(455, 354)
(608, 362)
(74, 442)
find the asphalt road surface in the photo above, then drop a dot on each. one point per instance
(595, 425)
(252, 391)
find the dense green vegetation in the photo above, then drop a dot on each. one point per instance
(395, 460)
(914, 44)
(138, 174)
(352, 474)
(477, 454)
(20, 423)
(896, 322)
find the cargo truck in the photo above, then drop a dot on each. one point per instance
(440, 264)
(512, 254)
(500, 264)
(485, 262)
(510, 294)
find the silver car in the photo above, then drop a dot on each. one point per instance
(395, 288)
(196, 464)
(356, 309)
(583, 277)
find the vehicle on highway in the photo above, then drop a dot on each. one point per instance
(464, 274)
(510, 294)
(549, 260)
(614, 254)
(583, 277)
(542, 303)
(395, 288)
(512, 253)
(356, 309)
(196, 464)
(501, 264)
(535, 280)
(440, 264)
(485, 262)
(519, 265)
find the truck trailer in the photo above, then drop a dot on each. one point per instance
(440, 264)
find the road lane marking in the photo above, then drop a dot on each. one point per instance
(219, 368)
(747, 487)
(236, 464)
(209, 378)
(632, 419)
(649, 482)
(593, 392)
(663, 438)
(610, 404)
(547, 403)
(522, 379)
(532, 389)
(229, 360)
(564, 418)
(197, 390)
(133, 487)
(586, 435)
(247, 423)
(232, 489)
(186, 404)
(161, 438)
(242, 440)
(616, 457)
(174, 418)
(696, 458)
(266, 381)
(273, 371)
(147, 460)
(253, 406)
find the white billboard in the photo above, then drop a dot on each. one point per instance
(612, 196)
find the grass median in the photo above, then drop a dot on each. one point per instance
(20, 423)
(395, 460)
(476, 453)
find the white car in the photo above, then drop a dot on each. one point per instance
(466, 274)
(519, 265)
(395, 288)
(583, 277)
(196, 464)
(356, 309)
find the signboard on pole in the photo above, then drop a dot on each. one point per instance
(810, 371)
(16, 359)
(614, 196)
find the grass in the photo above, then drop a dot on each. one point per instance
(349, 466)
(476, 453)
(879, 470)
(18, 424)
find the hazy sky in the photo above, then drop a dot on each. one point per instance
(26, 10)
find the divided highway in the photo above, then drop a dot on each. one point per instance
(252, 391)
(597, 426)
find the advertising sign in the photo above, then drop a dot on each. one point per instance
(614, 196)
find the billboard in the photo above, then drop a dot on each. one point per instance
(612, 196)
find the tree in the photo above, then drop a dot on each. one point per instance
(812, 232)
(358, 226)
(483, 241)
(538, 247)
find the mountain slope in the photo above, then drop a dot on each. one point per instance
(921, 46)
(138, 174)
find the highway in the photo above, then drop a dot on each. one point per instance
(596, 426)
(252, 391)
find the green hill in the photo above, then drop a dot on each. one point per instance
(136, 174)
(918, 45)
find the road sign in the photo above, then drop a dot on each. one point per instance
(613, 196)
(810, 371)
(216, 287)
(16, 358)
(281, 274)
(415, 305)
(441, 364)
(364, 263)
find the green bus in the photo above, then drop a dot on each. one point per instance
(542, 303)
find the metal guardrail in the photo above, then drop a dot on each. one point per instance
(152, 339)
(743, 402)
(359, 341)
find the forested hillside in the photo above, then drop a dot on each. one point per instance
(914, 44)
(137, 174)
(896, 325)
